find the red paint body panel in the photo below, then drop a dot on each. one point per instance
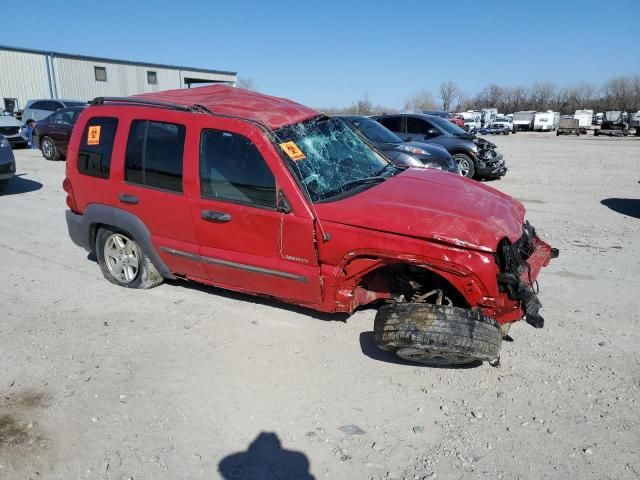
(438, 221)
(433, 205)
(274, 112)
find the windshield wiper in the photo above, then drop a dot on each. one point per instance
(365, 180)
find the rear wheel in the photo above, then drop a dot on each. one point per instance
(123, 262)
(49, 150)
(437, 335)
(465, 165)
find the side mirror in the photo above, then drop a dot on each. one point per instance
(283, 204)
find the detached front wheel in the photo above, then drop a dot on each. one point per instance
(437, 335)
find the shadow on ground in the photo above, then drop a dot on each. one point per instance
(625, 206)
(245, 297)
(18, 185)
(371, 350)
(265, 459)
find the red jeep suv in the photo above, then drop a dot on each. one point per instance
(263, 195)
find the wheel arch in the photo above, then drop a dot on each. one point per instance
(98, 216)
(368, 278)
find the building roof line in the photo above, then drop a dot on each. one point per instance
(114, 60)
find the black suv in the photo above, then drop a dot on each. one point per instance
(476, 157)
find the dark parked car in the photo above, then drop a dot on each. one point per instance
(53, 133)
(476, 157)
(414, 154)
(7, 163)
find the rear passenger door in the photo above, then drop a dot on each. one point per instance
(153, 190)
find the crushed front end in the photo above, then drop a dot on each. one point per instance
(490, 163)
(519, 264)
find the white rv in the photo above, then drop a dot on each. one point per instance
(472, 120)
(523, 120)
(584, 117)
(488, 116)
(546, 121)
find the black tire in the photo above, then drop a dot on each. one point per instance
(49, 150)
(557, 133)
(596, 133)
(445, 335)
(146, 275)
(462, 159)
(4, 184)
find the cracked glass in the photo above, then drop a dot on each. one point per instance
(336, 160)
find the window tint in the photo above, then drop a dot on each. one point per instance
(417, 125)
(94, 155)
(154, 154)
(231, 168)
(39, 105)
(100, 73)
(53, 106)
(392, 123)
(152, 77)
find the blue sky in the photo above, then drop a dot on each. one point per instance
(330, 53)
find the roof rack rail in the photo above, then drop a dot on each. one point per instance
(150, 103)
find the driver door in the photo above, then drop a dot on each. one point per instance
(250, 238)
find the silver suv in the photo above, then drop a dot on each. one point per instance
(40, 109)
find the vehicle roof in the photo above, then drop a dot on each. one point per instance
(63, 100)
(274, 112)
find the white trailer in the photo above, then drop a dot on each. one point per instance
(472, 120)
(585, 119)
(488, 116)
(523, 120)
(546, 121)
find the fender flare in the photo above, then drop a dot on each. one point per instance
(98, 214)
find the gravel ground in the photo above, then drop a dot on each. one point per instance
(186, 382)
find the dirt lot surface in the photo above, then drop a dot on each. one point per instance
(189, 382)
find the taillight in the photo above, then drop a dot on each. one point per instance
(71, 202)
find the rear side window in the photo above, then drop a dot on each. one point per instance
(231, 168)
(96, 145)
(417, 125)
(39, 105)
(392, 123)
(154, 155)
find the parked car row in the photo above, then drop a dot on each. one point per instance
(7, 163)
(476, 157)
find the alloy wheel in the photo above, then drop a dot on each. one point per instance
(122, 258)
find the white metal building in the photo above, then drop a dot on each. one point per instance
(28, 74)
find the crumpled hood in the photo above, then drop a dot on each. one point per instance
(433, 205)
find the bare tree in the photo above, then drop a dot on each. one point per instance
(364, 106)
(449, 92)
(246, 83)
(542, 94)
(420, 100)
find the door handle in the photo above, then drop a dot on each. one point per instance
(212, 216)
(130, 199)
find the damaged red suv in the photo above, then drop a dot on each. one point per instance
(262, 195)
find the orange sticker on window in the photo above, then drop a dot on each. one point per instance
(291, 149)
(93, 137)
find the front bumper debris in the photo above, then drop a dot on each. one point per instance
(520, 263)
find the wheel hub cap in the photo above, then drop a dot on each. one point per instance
(122, 258)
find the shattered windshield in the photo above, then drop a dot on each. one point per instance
(329, 158)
